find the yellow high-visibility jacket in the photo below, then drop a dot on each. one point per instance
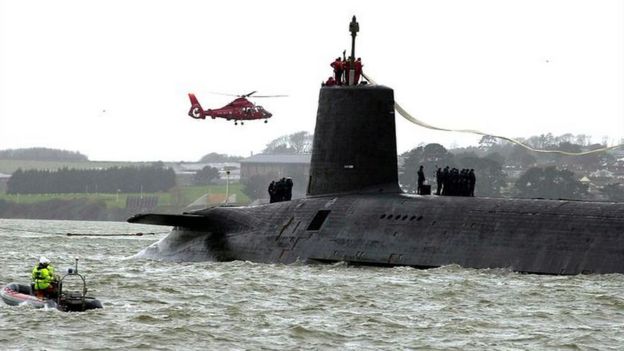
(42, 276)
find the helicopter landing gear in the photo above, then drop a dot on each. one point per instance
(235, 123)
(242, 123)
(266, 121)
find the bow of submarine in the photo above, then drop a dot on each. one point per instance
(197, 236)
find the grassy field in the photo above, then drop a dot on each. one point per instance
(176, 197)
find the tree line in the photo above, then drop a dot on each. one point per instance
(296, 143)
(42, 154)
(153, 178)
(216, 157)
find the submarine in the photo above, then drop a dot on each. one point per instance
(355, 212)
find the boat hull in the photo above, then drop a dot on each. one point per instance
(15, 294)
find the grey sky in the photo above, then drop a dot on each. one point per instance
(516, 68)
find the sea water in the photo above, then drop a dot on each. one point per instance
(153, 305)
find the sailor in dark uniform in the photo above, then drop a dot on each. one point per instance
(289, 186)
(472, 181)
(421, 179)
(446, 177)
(281, 190)
(272, 192)
(439, 180)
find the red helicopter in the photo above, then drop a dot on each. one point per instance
(240, 109)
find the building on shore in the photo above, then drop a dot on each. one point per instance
(4, 179)
(185, 171)
(277, 166)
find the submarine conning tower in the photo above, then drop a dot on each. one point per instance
(354, 141)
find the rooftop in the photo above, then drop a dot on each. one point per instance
(268, 158)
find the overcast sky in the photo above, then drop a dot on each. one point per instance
(109, 78)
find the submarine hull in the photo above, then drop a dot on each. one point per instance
(533, 236)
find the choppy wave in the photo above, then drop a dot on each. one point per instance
(242, 305)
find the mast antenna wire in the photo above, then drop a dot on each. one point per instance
(418, 122)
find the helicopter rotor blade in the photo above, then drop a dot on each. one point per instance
(225, 94)
(246, 95)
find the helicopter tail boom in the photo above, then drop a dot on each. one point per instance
(196, 110)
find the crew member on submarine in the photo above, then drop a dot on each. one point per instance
(421, 180)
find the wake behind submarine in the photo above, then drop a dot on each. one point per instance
(355, 212)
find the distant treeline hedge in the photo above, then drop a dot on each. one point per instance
(215, 157)
(42, 154)
(111, 180)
